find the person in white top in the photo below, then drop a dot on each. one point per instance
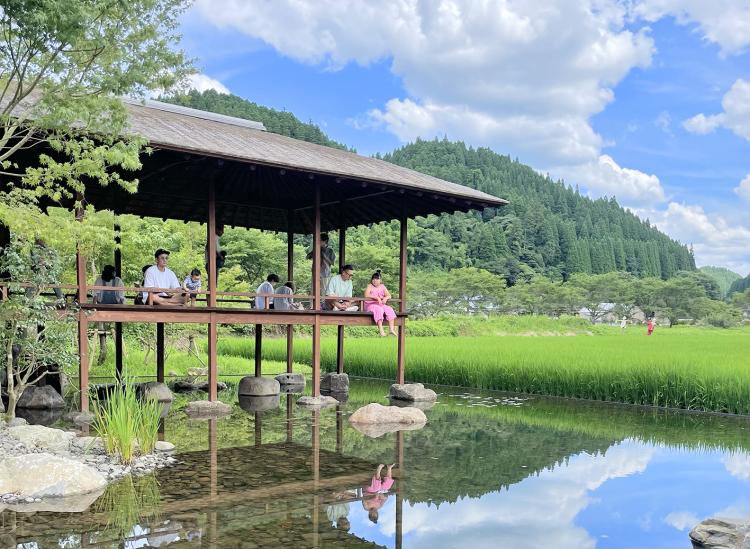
(284, 303)
(159, 276)
(266, 288)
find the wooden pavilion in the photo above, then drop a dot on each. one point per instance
(217, 169)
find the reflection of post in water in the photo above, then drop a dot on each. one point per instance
(289, 421)
(213, 475)
(258, 429)
(339, 429)
(399, 489)
(315, 429)
(160, 432)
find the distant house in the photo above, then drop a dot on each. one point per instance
(608, 314)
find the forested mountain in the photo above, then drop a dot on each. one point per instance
(723, 277)
(739, 286)
(549, 227)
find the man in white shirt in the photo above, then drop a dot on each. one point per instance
(159, 276)
(266, 289)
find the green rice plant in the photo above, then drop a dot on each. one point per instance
(124, 423)
(128, 502)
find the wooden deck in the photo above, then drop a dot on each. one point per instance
(225, 315)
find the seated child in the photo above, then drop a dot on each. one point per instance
(191, 284)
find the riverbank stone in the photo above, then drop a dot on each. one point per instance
(291, 379)
(154, 390)
(41, 398)
(412, 392)
(204, 387)
(311, 402)
(377, 414)
(258, 386)
(715, 533)
(333, 382)
(47, 475)
(38, 436)
(181, 386)
(259, 403)
(423, 405)
(205, 409)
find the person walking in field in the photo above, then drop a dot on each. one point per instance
(623, 324)
(650, 325)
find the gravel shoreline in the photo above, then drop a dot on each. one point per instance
(85, 450)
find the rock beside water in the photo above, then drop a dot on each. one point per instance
(38, 436)
(721, 534)
(413, 392)
(41, 398)
(154, 390)
(322, 401)
(47, 475)
(291, 379)
(335, 383)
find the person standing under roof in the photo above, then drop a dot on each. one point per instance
(221, 255)
(327, 257)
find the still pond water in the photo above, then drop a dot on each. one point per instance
(489, 470)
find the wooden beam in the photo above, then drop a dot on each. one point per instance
(316, 295)
(118, 325)
(160, 352)
(213, 369)
(83, 325)
(401, 366)
(290, 277)
(258, 350)
(340, 329)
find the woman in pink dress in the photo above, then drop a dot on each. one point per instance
(376, 297)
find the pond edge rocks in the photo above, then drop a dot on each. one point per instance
(258, 386)
(716, 533)
(412, 392)
(207, 409)
(322, 401)
(377, 414)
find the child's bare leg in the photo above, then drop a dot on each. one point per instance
(392, 325)
(380, 327)
(378, 471)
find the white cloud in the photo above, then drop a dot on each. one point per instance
(682, 520)
(518, 76)
(736, 115)
(606, 177)
(743, 189)
(723, 22)
(201, 83)
(716, 240)
(738, 465)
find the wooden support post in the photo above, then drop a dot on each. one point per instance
(400, 489)
(289, 417)
(118, 325)
(339, 428)
(212, 328)
(160, 352)
(289, 277)
(400, 376)
(258, 429)
(258, 349)
(316, 294)
(316, 475)
(83, 325)
(340, 329)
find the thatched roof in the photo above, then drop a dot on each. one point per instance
(265, 180)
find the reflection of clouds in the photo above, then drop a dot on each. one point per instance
(682, 520)
(537, 512)
(738, 465)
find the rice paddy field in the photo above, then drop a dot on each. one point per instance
(683, 367)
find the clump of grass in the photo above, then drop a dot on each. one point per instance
(127, 502)
(126, 425)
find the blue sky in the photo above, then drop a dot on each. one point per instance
(647, 100)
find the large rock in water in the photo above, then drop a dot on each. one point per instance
(291, 379)
(41, 398)
(45, 475)
(205, 409)
(377, 414)
(413, 392)
(335, 383)
(259, 403)
(38, 436)
(258, 386)
(154, 390)
(314, 403)
(721, 534)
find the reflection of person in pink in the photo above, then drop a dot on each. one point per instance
(650, 326)
(376, 297)
(376, 494)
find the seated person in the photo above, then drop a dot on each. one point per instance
(139, 296)
(109, 297)
(160, 276)
(284, 303)
(192, 283)
(376, 297)
(340, 286)
(267, 289)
